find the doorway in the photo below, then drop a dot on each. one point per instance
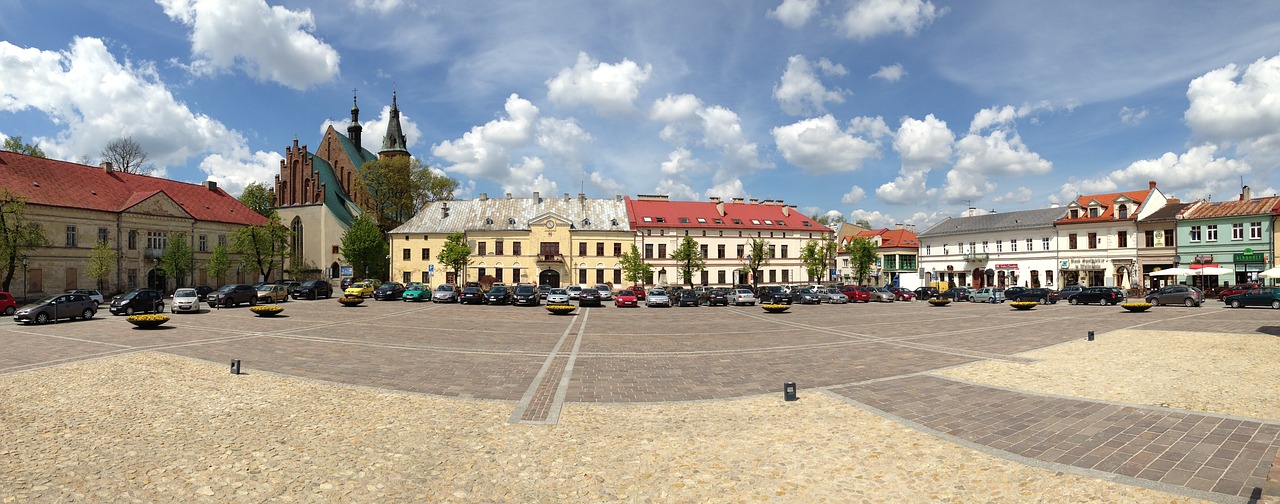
(549, 277)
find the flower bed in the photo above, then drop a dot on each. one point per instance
(266, 310)
(775, 308)
(147, 321)
(1023, 305)
(939, 302)
(1136, 307)
(561, 309)
(350, 301)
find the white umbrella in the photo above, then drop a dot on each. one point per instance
(1213, 271)
(1271, 273)
(1173, 272)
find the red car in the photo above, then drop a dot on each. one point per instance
(902, 294)
(625, 298)
(857, 294)
(1236, 289)
(7, 304)
(639, 291)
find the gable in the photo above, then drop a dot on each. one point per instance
(157, 203)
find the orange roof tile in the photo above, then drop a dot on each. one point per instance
(1214, 209)
(686, 214)
(1107, 201)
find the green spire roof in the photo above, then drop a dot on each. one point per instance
(394, 141)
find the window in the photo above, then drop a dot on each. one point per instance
(600, 274)
(426, 278)
(617, 277)
(497, 274)
(720, 276)
(773, 251)
(1046, 244)
(1075, 213)
(1093, 211)
(599, 248)
(1013, 245)
(1122, 212)
(720, 252)
(1071, 241)
(480, 273)
(1048, 277)
(204, 243)
(781, 223)
(335, 248)
(1211, 233)
(515, 275)
(984, 246)
(103, 235)
(515, 248)
(481, 247)
(702, 249)
(808, 224)
(1168, 238)
(907, 262)
(71, 236)
(768, 222)
(1195, 233)
(497, 247)
(1030, 245)
(582, 275)
(157, 240)
(131, 279)
(582, 249)
(662, 251)
(406, 254)
(718, 221)
(1237, 232)
(646, 219)
(660, 220)
(999, 245)
(1093, 240)
(737, 222)
(222, 241)
(426, 254)
(702, 220)
(648, 251)
(1150, 239)
(617, 249)
(928, 250)
(741, 251)
(784, 251)
(1122, 239)
(1255, 230)
(133, 240)
(684, 220)
(511, 221)
(406, 275)
(755, 221)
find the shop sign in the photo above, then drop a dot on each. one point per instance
(1204, 258)
(1247, 258)
(1006, 266)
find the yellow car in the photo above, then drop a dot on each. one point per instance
(272, 293)
(361, 289)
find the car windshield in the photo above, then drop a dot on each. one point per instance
(444, 287)
(227, 288)
(46, 300)
(559, 291)
(184, 293)
(524, 290)
(388, 285)
(657, 292)
(497, 290)
(471, 290)
(626, 293)
(413, 286)
(265, 288)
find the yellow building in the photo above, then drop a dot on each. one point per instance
(551, 241)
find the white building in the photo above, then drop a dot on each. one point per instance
(1098, 237)
(992, 249)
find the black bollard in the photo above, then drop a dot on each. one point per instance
(789, 391)
(1090, 335)
(235, 366)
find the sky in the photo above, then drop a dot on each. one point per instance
(892, 111)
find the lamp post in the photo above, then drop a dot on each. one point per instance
(24, 279)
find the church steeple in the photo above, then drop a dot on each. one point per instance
(393, 144)
(354, 129)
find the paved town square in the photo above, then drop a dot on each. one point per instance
(392, 400)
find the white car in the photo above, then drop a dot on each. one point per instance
(558, 296)
(185, 300)
(445, 293)
(987, 295)
(657, 297)
(574, 291)
(606, 294)
(742, 296)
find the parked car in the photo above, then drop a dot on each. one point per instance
(626, 297)
(657, 297)
(832, 295)
(92, 293)
(233, 295)
(639, 291)
(1038, 294)
(1260, 296)
(1012, 292)
(498, 295)
(142, 300)
(606, 294)
(774, 294)
(902, 294)
(1176, 294)
(1236, 289)
(857, 293)
(8, 304)
(987, 295)
(590, 297)
(185, 300)
(471, 295)
(1069, 291)
(690, 298)
(743, 286)
(1100, 295)
(59, 306)
(743, 296)
(806, 296)
(272, 293)
(312, 289)
(882, 295)
(416, 291)
(926, 292)
(447, 293)
(543, 291)
(526, 295)
(955, 294)
(388, 291)
(558, 296)
(717, 297)
(346, 282)
(574, 291)
(361, 289)
(203, 291)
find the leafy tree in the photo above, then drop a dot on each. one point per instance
(14, 144)
(758, 258)
(431, 186)
(259, 246)
(259, 198)
(688, 259)
(17, 236)
(127, 156)
(177, 260)
(456, 255)
(101, 261)
(392, 189)
(826, 252)
(813, 264)
(828, 220)
(219, 263)
(634, 269)
(365, 248)
(862, 254)
(863, 223)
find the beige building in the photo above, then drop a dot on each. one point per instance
(1098, 237)
(77, 206)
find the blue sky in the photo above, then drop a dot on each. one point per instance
(889, 110)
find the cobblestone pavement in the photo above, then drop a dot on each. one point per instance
(872, 354)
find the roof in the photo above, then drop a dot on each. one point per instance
(394, 140)
(1107, 202)
(69, 185)
(889, 238)
(515, 214)
(1002, 221)
(1233, 208)
(337, 201)
(766, 216)
(1167, 213)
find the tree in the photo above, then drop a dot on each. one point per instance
(826, 254)
(688, 259)
(456, 255)
(259, 198)
(828, 219)
(260, 245)
(218, 264)
(177, 259)
(863, 223)
(126, 156)
(758, 258)
(634, 269)
(392, 189)
(365, 248)
(17, 236)
(809, 258)
(430, 186)
(14, 144)
(862, 254)
(101, 261)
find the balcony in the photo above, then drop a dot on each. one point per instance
(975, 257)
(550, 258)
(152, 253)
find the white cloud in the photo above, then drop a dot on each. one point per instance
(484, 151)
(818, 145)
(794, 13)
(830, 214)
(1229, 107)
(871, 18)
(726, 185)
(722, 130)
(800, 92)
(381, 6)
(96, 99)
(267, 43)
(677, 190)
(891, 73)
(1002, 116)
(1197, 173)
(998, 154)
(877, 219)
(606, 185)
(1132, 116)
(527, 177)
(922, 145)
(680, 162)
(609, 89)
(1020, 195)
(853, 196)
(372, 131)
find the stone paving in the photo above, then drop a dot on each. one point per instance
(872, 354)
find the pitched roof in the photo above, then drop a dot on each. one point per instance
(337, 201)
(767, 216)
(515, 214)
(1232, 208)
(1003, 221)
(1108, 207)
(1166, 213)
(889, 238)
(69, 185)
(394, 140)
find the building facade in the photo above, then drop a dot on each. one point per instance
(77, 206)
(1098, 236)
(1158, 242)
(999, 249)
(1236, 235)
(897, 252)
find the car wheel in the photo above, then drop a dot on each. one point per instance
(1235, 303)
(42, 318)
(86, 314)
(128, 312)
(160, 308)
(253, 301)
(1189, 302)
(1275, 304)
(1073, 301)
(8, 311)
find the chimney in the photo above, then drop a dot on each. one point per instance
(1151, 184)
(617, 197)
(720, 207)
(537, 198)
(786, 210)
(566, 196)
(106, 166)
(508, 195)
(754, 201)
(738, 200)
(582, 197)
(1246, 194)
(767, 202)
(484, 196)
(911, 228)
(779, 203)
(715, 199)
(208, 184)
(444, 209)
(1173, 201)
(898, 226)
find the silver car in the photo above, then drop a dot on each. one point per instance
(185, 300)
(558, 296)
(834, 296)
(606, 294)
(883, 295)
(657, 297)
(445, 293)
(742, 296)
(58, 306)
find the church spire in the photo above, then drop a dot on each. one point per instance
(393, 144)
(354, 129)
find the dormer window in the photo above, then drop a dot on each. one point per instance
(613, 222)
(719, 221)
(684, 220)
(737, 221)
(808, 224)
(755, 221)
(702, 220)
(1075, 214)
(647, 219)
(1122, 212)
(586, 222)
(488, 221)
(780, 223)
(768, 222)
(662, 220)
(511, 221)
(1093, 211)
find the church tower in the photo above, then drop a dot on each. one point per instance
(393, 144)
(354, 129)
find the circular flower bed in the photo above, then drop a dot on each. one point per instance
(266, 310)
(1023, 305)
(561, 309)
(1136, 306)
(939, 302)
(775, 308)
(147, 321)
(350, 301)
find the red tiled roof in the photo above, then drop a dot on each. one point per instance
(1108, 207)
(61, 184)
(889, 238)
(751, 216)
(1212, 209)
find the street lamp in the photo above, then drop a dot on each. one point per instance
(24, 279)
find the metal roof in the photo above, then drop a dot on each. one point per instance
(1001, 221)
(515, 214)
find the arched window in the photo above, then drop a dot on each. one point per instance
(296, 245)
(1123, 212)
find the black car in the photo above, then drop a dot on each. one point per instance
(57, 306)
(527, 295)
(807, 296)
(471, 295)
(774, 294)
(203, 291)
(312, 289)
(1012, 292)
(687, 298)
(1100, 295)
(234, 295)
(718, 297)
(138, 301)
(590, 297)
(498, 295)
(346, 282)
(926, 293)
(388, 291)
(1038, 294)
(956, 294)
(1069, 291)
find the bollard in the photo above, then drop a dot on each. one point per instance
(789, 391)
(235, 366)
(1090, 335)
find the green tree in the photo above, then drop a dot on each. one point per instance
(392, 189)
(827, 251)
(14, 144)
(456, 255)
(634, 269)
(811, 260)
(219, 263)
(430, 186)
(759, 258)
(177, 260)
(17, 236)
(828, 220)
(689, 259)
(365, 248)
(101, 261)
(862, 255)
(259, 198)
(863, 223)
(259, 246)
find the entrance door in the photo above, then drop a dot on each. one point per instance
(156, 280)
(549, 277)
